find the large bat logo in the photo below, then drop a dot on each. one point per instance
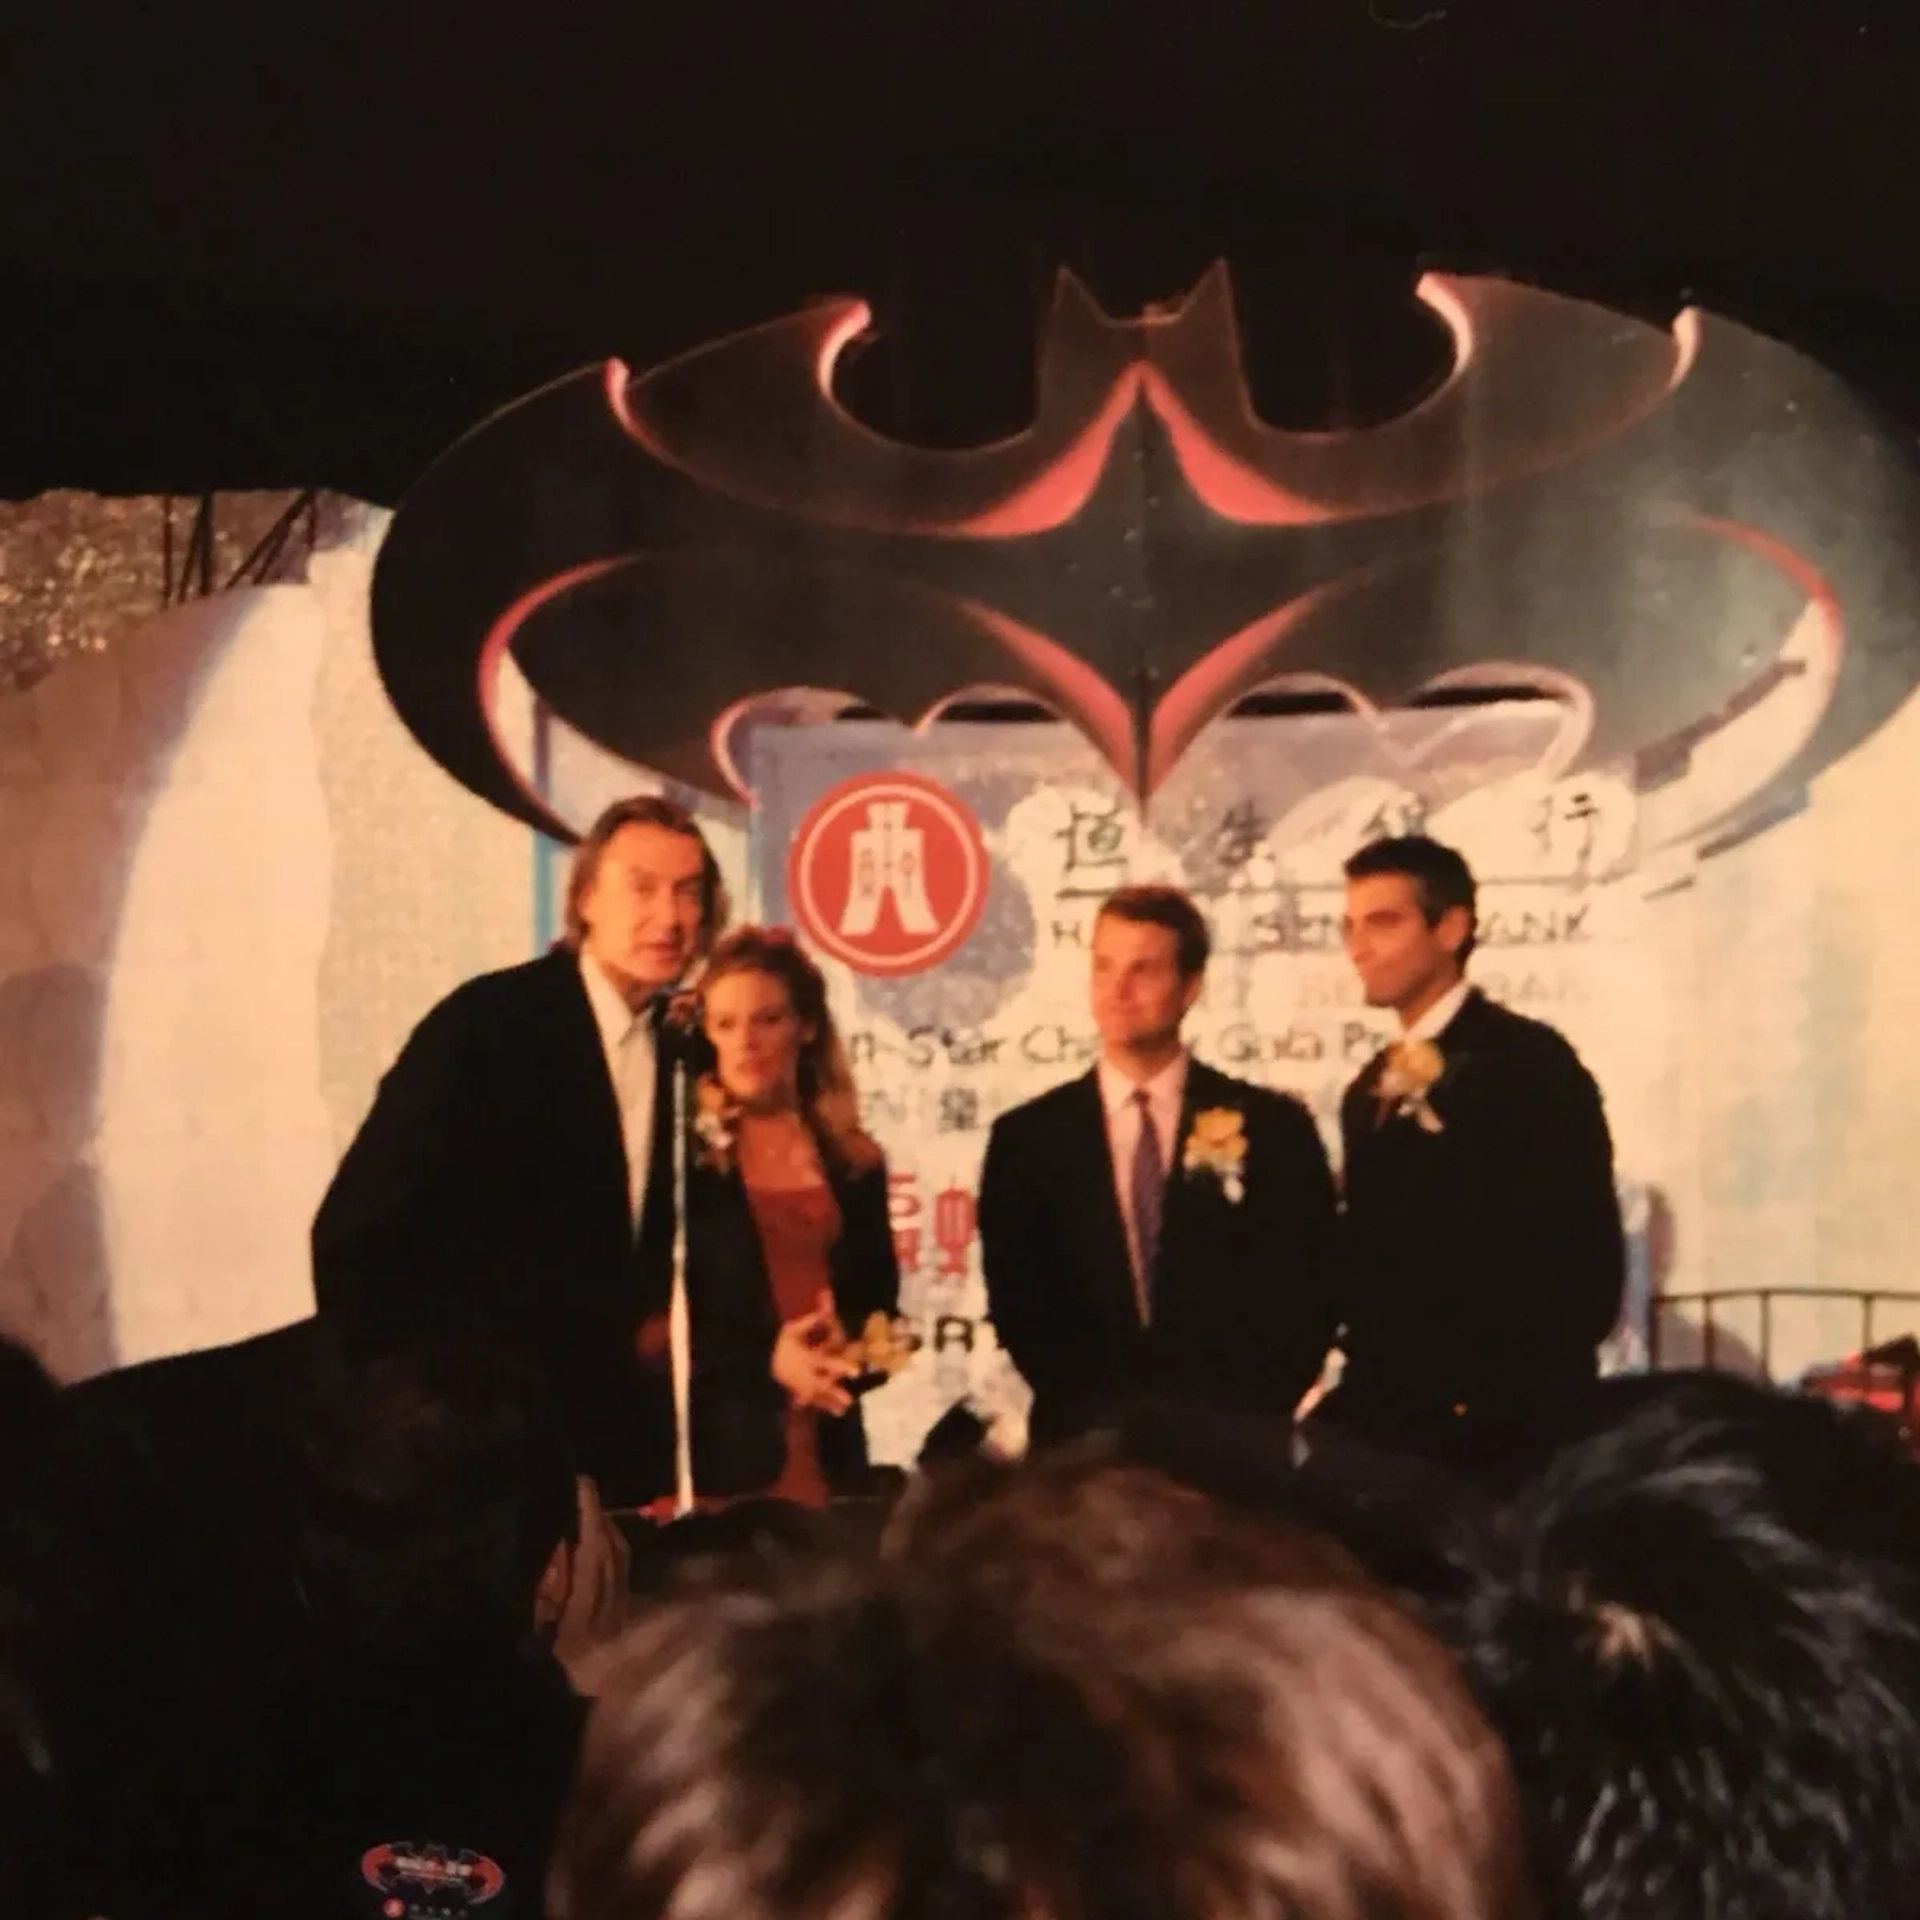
(1660, 525)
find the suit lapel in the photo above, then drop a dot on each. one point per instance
(1204, 1088)
(1456, 1042)
(1457, 1038)
(587, 1089)
(1106, 1226)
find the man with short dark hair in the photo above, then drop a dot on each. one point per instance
(1155, 1227)
(1483, 1257)
(516, 1166)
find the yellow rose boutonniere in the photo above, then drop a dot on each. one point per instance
(1217, 1144)
(1413, 1069)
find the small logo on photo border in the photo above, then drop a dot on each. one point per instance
(421, 1880)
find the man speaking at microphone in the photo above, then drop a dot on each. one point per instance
(517, 1164)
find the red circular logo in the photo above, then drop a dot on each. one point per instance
(888, 873)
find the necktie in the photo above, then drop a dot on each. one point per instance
(655, 1016)
(1147, 1188)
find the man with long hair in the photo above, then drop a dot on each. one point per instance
(516, 1166)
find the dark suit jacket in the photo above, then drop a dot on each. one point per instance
(1483, 1263)
(490, 1180)
(1243, 1310)
(739, 1410)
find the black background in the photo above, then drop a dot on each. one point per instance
(309, 246)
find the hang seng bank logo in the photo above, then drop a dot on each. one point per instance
(888, 873)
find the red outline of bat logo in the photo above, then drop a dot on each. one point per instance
(1656, 524)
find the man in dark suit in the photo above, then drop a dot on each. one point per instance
(517, 1163)
(1483, 1258)
(1156, 1228)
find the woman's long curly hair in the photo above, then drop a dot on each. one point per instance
(828, 1097)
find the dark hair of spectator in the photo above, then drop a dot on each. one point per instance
(1074, 1693)
(1707, 1664)
(437, 1483)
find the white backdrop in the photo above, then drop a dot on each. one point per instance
(219, 847)
(1256, 825)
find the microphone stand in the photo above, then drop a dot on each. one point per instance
(679, 1313)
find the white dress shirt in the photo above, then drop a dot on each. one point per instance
(1439, 1017)
(1164, 1091)
(633, 1066)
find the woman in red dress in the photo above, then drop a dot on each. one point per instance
(789, 1243)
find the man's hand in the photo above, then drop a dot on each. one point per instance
(599, 1596)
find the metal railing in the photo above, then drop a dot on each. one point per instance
(1867, 1300)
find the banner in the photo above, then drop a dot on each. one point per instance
(948, 882)
(1690, 544)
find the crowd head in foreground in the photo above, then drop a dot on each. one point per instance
(1169, 1673)
(1081, 1691)
(1677, 1678)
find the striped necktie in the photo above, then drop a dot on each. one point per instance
(1147, 1189)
